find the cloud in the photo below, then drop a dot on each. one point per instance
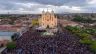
(91, 1)
(36, 6)
(56, 2)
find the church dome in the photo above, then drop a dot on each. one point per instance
(47, 12)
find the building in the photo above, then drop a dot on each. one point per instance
(48, 20)
(66, 22)
(6, 35)
(4, 21)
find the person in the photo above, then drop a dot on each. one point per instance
(63, 43)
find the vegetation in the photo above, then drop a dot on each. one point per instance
(22, 15)
(83, 20)
(90, 31)
(3, 16)
(84, 35)
(86, 41)
(10, 22)
(14, 35)
(93, 46)
(11, 45)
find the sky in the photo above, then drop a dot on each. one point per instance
(36, 6)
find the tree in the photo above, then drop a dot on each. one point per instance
(88, 31)
(69, 27)
(14, 36)
(93, 46)
(11, 45)
(11, 22)
(83, 20)
(76, 31)
(84, 35)
(86, 41)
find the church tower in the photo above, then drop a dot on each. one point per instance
(52, 12)
(43, 12)
(48, 19)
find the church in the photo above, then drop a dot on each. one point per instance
(48, 20)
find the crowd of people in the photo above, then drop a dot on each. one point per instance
(63, 43)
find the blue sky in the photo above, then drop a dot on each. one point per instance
(36, 6)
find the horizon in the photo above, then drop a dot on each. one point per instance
(41, 13)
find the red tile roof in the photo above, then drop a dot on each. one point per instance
(66, 22)
(5, 42)
(10, 28)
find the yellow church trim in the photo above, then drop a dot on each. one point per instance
(48, 20)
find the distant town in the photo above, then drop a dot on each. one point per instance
(22, 20)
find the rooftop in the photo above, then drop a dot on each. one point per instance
(6, 33)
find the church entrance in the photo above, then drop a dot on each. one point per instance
(47, 26)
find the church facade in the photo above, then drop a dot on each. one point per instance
(48, 20)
